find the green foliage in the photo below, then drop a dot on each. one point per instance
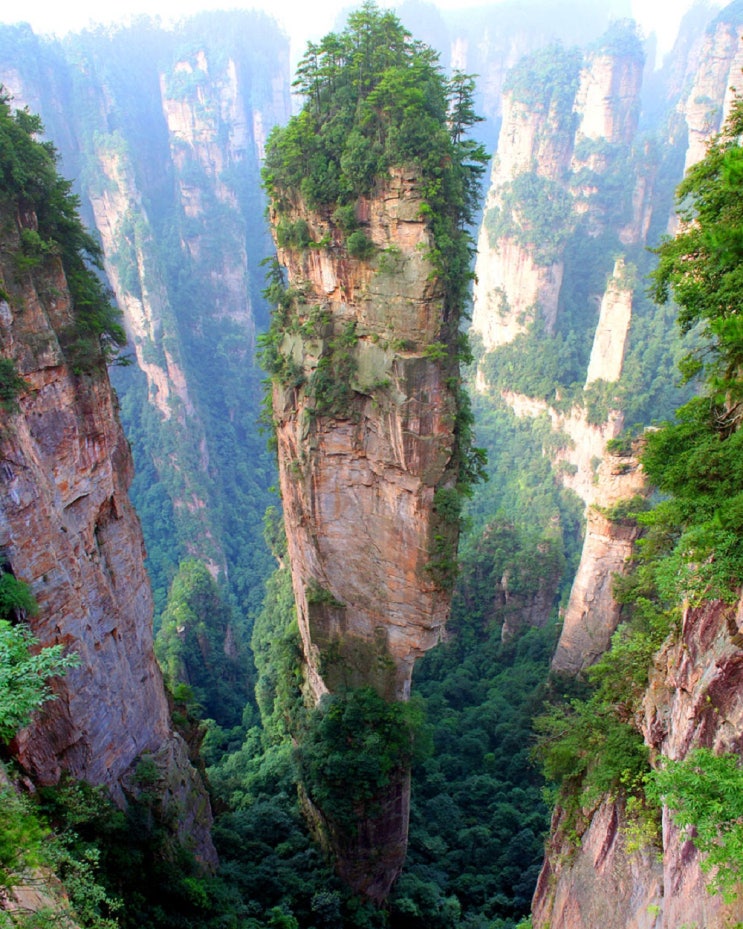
(22, 836)
(293, 234)
(28, 840)
(536, 212)
(621, 40)
(697, 459)
(24, 673)
(330, 383)
(587, 750)
(376, 99)
(123, 869)
(29, 184)
(16, 600)
(354, 746)
(705, 794)
(199, 644)
(359, 246)
(477, 815)
(590, 745)
(701, 266)
(547, 79)
(277, 653)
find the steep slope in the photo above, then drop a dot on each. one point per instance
(67, 528)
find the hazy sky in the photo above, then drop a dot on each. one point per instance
(302, 19)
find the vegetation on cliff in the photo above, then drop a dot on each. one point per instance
(40, 201)
(374, 98)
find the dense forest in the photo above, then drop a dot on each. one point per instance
(494, 740)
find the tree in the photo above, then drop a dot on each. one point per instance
(698, 458)
(24, 674)
(702, 269)
(29, 183)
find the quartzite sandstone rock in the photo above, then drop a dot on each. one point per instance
(67, 529)
(359, 478)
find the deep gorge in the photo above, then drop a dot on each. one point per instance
(165, 132)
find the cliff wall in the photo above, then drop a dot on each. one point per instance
(707, 104)
(693, 700)
(358, 481)
(67, 529)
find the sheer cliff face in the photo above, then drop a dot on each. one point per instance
(517, 282)
(67, 528)
(365, 431)
(165, 131)
(358, 480)
(694, 699)
(712, 90)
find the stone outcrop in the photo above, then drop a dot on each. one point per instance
(512, 286)
(601, 480)
(358, 481)
(592, 614)
(67, 529)
(607, 353)
(608, 101)
(366, 451)
(694, 699)
(710, 97)
(571, 144)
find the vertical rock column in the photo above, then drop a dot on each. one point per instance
(365, 411)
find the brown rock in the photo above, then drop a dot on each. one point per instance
(67, 529)
(359, 474)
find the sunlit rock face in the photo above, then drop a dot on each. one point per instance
(67, 529)
(358, 481)
(366, 447)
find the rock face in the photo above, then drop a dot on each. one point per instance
(612, 330)
(568, 139)
(592, 614)
(694, 699)
(511, 281)
(165, 130)
(358, 481)
(598, 883)
(365, 430)
(67, 529)
(708, 103)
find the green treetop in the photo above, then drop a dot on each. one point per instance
(29, 183)
(374, 99)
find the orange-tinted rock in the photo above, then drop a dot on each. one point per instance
(67, 529)
(359, 473)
